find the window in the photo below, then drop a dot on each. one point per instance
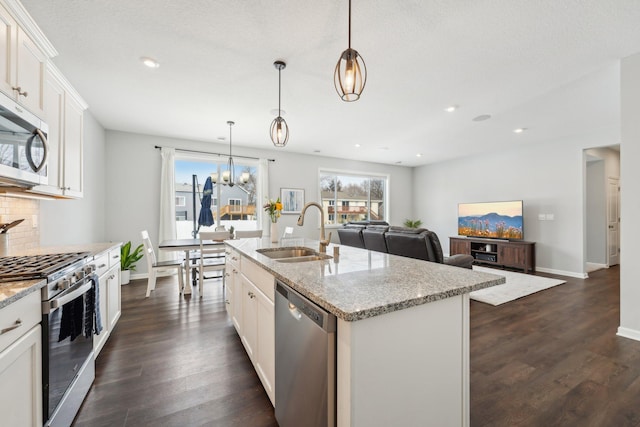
(240, 209)
(352, 197)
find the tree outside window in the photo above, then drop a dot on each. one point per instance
(348, 197)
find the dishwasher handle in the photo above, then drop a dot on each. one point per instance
(300, 306)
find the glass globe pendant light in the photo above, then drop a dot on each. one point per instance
(279, 128)
(350, 75)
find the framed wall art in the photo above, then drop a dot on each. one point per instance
(292, 200)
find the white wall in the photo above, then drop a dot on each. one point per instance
(69, 222)
(547, 176)
(630, 198)
(133, 193)
(596, 214)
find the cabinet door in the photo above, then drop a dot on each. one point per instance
(457, 246)
(265, 360)
(99, 340)
(228, 293)
(30, 73)
(73, 182)
(113, 297)
(7, 52)
(54, 109)
(512, 255)
(21, 381)
(249, 317)
(236, 311)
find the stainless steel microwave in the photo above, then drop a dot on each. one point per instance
(23, 146)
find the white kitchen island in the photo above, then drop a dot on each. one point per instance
(402, 335)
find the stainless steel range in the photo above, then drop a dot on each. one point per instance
(68, 367)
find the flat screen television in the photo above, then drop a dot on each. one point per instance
(491, 220)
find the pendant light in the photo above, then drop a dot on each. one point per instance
(279, 128)
(228, 176)
(350, 75)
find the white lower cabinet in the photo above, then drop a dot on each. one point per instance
(252, 312)
(21, 363)
(108, 270)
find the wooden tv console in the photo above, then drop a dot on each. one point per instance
(517, 254)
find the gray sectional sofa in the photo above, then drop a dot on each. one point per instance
(418, 243)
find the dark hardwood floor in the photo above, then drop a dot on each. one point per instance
(549, 359)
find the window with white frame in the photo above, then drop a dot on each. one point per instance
(353, 197)
(180, 201)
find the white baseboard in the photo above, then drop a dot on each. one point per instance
(628, 333)
(562, 272)
(146, 275)
(592, 266)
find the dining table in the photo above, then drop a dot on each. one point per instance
(188, 245)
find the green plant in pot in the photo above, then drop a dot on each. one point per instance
(412, 223)
(128, 260)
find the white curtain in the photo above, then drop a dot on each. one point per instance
(263, 191)
(167, 229)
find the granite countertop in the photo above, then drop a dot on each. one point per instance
(361, 283)
(13, 291)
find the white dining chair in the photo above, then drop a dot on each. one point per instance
(153, 266)
(243, 234)
(212, 258)
(288, 232)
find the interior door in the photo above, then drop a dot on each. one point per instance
(613, 221)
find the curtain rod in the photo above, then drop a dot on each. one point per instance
(210, 152)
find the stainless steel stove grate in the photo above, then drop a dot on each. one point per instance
(36, 266)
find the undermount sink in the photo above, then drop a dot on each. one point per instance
(294, 254)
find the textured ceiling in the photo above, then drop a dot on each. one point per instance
(549, 66)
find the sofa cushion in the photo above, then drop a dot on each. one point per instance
(351, 235)
(409, 244)
(373, 237)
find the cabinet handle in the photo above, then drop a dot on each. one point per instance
(115, 256)
(235, 271)
(227, 301)
(113, 276)
(11, 328)
(19, 90)
(251, 295)
(234, 258)
(102, 265)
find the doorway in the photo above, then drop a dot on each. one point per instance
(602, 208)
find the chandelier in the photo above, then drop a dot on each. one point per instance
(228, 176)
(279, 128)
(350, 75)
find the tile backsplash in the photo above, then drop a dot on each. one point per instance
(24, 235)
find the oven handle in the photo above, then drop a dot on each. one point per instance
(49, 306)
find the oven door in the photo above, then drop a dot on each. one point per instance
(66, 350)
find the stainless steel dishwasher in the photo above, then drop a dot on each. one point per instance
(305, 361)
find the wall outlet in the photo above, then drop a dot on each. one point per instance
(34, 221)
(542, 217)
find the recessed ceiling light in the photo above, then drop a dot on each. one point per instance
(519, 130)
(419, 155)
(482, 117)
(398, 162)
(357, 145)
(451, 108)
(383, 148)
(316, 151)
(221, 138)
(149, 62)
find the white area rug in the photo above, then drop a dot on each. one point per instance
(518, 285)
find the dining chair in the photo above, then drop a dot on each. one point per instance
(243, 234)
(288, 232)
(153, 265)
(212, 258)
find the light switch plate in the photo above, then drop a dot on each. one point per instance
(34, 221)
(542, 217)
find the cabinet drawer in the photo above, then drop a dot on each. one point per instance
(261, 278)
(114, 257)
(102, 263)
(26, 312)
(232, 257)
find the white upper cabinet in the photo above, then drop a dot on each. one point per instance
(22, 65)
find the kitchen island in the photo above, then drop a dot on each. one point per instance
(402, 329)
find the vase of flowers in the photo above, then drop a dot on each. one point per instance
(273, 208)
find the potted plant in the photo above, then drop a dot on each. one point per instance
(412, 223)
(128, 260)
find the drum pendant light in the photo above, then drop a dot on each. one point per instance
(279, 128)
(350, 75)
